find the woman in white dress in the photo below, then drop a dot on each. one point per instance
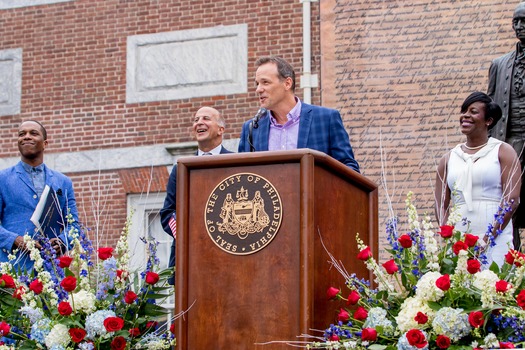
(485, 174)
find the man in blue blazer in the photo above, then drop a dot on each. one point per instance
(289, 123)
(208, 128)
(20, 190)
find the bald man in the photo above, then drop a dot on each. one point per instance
(208, 129)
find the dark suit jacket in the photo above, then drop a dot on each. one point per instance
(500, 80)
(320, 128)
(18, 200)
(169, 207)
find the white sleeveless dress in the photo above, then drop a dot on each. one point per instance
(477, 178)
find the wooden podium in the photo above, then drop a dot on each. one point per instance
(267, 285)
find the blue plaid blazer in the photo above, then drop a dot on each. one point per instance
(320, 129)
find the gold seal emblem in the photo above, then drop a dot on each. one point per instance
(243, 213)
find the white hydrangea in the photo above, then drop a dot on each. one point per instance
(86, 346)
(408, 311)
(485, 280)
(451, 322)
(426, 288)
(58, 336)
(153, 342)
(83, 301)
(377, 316)
(33, 314)
(491, 341)
(95, 323)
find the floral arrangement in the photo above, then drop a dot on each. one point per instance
(85, 299)
(434, 293)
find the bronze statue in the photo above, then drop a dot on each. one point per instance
(507, 88)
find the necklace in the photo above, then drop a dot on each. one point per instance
(475, 148)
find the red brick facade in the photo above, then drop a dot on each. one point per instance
(74, 79)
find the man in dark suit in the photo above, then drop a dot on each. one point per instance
(20, 190)
(208, 128)
(507, 88)
(290, 123)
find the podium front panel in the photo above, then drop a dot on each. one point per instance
(236, 300)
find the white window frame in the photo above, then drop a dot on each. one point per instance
(140, 206)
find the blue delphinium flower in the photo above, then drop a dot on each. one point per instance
(501, 323)
(339, 331)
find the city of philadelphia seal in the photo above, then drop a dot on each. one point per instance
(243, 213)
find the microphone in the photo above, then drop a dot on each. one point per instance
(254, 124)
(261, 112)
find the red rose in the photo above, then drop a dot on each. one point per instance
(332, 292)
(360, 314)
(36, 286)
(64, 308)
(121, 274)
(17, 294)
(77, 334)
(135, 332)
(416, 338)
(152, 277)
(471, 240)
(130, 297)
(69, 283)
(369, 334)
(172, 328)
(473, 266)
(506, 345)
(6, 281)
(502, 286)
(405, 241)
(421, 318)
(443, 283)
(442, 341)
(520, 299)
(334, 337)
(64, 261)
(446, 231)
(343, 315)
(105, 253)
(152, 324)
(509, 257)
(515, 257)
(118, 343)
(113, 324)
(4, 328)
(353, 298)
(364, 254)
(475, 318)
(459, 246)
(390, 267)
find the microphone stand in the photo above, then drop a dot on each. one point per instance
(254, 124)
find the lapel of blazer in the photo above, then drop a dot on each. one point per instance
(24, 176)
(305, 122)
(49, 177)
(261, 134)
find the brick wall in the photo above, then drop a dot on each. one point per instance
(74, 79)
